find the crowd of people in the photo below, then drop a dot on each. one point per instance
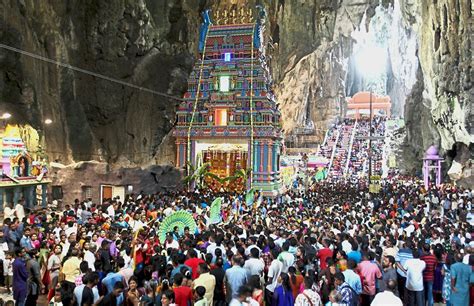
(350, 136)
(341, 152)
(359, 159)
(331, 244)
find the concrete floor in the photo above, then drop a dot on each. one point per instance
(4, 295)
(9, 297)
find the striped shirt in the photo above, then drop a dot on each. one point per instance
(431, 261)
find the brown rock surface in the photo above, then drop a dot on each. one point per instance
(92, 173)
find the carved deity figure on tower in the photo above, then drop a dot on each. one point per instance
(225, 17)
(217, 18)
(233, 12)
(233, 16)
(250, 15)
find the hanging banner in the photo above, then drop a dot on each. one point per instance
(374, 186)
(392, 161)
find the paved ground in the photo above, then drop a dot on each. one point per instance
(42, 298)
(5, 296)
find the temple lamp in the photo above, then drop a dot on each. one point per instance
(371, 61)
(42, 130)
(4, 118)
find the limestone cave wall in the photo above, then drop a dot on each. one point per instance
(153, 44)
(445, 30)
(146, 43)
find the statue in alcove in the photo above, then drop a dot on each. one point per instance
(36, 168)
(23, 164)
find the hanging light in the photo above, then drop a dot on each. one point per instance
(48, 121)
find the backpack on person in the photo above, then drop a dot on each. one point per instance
(354, 297)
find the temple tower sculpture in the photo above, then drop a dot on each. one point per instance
(229, 118)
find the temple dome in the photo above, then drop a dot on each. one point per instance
(432, 153)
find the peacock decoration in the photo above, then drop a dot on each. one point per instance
(215, 211)
(250, 196)
(181, 219)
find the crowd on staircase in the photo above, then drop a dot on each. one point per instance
(347, 147)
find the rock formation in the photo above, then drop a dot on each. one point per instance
(74, 177)
(444, 31)
(146, 43)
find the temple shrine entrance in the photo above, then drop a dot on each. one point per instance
(364, 101)
(226, 161)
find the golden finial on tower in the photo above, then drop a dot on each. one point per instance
(250, 15)
(242, 15)
(225, 17)
(233, 16)
(218, 17)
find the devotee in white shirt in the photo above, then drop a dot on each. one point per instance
(470, 217)
(387, 297)
(3, 249)
(111, 211)
(57, 232)
(211, 248)
(254, 265)
(20, 212)
(414, 270)
(168, 211)
(346, 246)
(9, 212)
(89, 255)
(71, 229)
(171, 243)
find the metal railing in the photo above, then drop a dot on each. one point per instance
(354, 131)
(304, 131)
(334, 150)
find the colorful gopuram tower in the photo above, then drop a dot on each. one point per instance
(229, 117)
(11, 146)
(21, 177)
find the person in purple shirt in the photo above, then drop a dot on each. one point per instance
(20, 277)
(111, 237)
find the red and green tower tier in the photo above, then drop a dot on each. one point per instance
(229, 117)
